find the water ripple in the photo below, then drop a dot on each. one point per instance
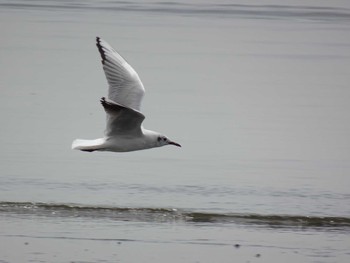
(284, 12)
(144, 214)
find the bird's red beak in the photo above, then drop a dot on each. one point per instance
(175, 143)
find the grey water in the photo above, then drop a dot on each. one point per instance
(256, 92)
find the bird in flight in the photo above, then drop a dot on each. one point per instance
(124, 131)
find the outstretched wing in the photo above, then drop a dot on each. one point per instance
(122, 120)
(125, 86)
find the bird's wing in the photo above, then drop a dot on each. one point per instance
(122, 120)
(125, 86)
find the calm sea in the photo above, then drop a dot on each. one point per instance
(256, 92)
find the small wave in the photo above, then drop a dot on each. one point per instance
(169, 215)
(316, 13)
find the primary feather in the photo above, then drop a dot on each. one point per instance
(125, 86)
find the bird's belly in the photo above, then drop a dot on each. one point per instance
(126, 145)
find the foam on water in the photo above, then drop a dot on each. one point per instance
(145, 214)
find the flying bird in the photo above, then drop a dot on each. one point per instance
(124, 131)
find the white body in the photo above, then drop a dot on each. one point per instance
(119, 144)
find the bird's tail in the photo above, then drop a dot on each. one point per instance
(88, 145)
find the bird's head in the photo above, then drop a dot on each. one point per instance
(163, 140)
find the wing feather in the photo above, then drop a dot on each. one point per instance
(122, 120)
(125, 86)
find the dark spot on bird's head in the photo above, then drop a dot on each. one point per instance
(161, 138)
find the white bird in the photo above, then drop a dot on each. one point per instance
(124, 131)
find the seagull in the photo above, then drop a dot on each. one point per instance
(124, 131)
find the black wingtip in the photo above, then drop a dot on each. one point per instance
(110, 106)
(100, 49)
(103, 101)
